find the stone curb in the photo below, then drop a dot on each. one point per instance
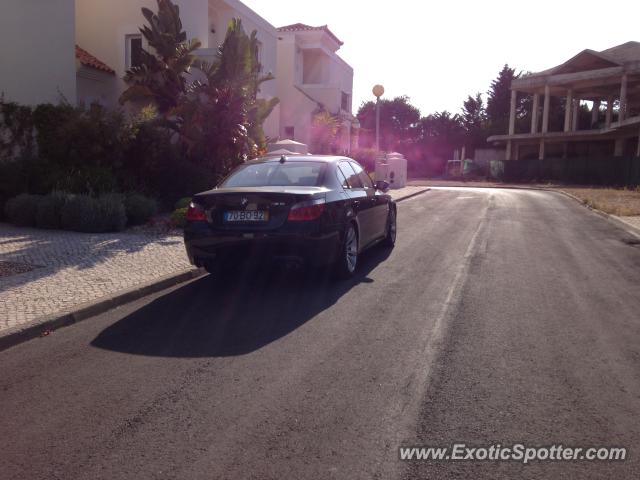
(44, 325)
(411, 195)
(40, 326)
(631, 229)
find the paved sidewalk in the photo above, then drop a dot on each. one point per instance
(633, 221)
(408, 191)
(45, 272)
(67, 269)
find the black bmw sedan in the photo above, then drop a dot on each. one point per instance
(304, 209)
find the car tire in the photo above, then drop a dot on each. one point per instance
(212, 267)
(347, 260)
(392, 228)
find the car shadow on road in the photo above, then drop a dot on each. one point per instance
(234, 315)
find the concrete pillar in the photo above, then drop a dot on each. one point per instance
(512, 112)
(534, 113)
(575, 109)
(545, 110)
(541, 150)
(609, 114)
(623, 98)
(567, 110)
(507, 154)
(595, 112)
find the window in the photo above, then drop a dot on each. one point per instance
(290, 173)
(341, 178)
(353, 180)
(345, 103)
(133, 54)
(364, 176)
(289, 132)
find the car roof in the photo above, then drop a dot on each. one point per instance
(299, 158)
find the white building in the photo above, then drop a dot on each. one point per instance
(111, 31)
(311, 77)
(37, 62)
(80, 50)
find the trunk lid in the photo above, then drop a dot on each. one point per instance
(274, 201)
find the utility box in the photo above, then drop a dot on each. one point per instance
(392, 167)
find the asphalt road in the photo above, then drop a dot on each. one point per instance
(502, 316)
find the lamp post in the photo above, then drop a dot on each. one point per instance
(378, 91)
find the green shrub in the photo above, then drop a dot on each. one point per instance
(112, 212)
(182, 203)
(83, 213)
(80, 213)
(139, 208)
(21, 210)
(49, 210)
(179, 217)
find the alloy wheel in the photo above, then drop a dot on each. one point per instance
(351, 249)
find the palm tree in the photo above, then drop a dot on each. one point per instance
(237, 67)
(160, 77)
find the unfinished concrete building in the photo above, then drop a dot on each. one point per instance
(606, 82)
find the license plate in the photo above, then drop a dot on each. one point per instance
(246, 216)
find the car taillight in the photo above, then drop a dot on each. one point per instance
(306, 211)
(195, 213)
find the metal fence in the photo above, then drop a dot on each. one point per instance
(586, 170)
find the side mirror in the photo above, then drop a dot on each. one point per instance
(382, 185)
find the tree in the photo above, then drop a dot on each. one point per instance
(216, 120)
(325, 129)
(221, 117)
(238, 68)
(440, 134)
(499, 101)
(398, 123)
(160, 77)
(474, 121)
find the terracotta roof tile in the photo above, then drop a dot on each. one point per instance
(88, 60)
(301, 27)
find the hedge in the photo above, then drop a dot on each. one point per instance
(83, 213)
(139, 208)
(21, 210)
(49, 211)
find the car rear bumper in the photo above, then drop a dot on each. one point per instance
(313, 249)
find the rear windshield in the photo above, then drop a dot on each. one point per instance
(289, 174)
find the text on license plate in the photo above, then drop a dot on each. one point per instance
(246, 216)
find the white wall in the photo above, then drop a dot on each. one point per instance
(37, 51)
(102, 26)
(94, 86)
(299, 100)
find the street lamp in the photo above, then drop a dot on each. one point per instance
(378, 91)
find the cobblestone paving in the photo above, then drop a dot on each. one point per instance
(74, 268)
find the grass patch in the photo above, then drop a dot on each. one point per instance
(622, 202)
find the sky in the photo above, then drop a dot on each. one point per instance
(439, 52)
